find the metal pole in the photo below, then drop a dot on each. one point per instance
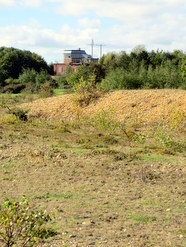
(92, 46)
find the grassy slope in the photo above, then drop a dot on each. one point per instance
(105, 187)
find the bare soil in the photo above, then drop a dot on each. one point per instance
(148, 105)
(106, 188)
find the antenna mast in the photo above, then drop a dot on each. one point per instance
(100, 48)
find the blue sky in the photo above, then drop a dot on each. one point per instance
(47, 27)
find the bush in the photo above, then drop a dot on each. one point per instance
(13, 88)
(19, 113)
(46, 90)
(121, 79)
(42, 78)
(28, 76)
(21, 225)
(85, 91)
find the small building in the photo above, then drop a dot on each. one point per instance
(72, 58)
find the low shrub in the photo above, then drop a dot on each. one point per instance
(22, 225)
(21, 114)
(46, 90)
(85, 91)
(13, 88)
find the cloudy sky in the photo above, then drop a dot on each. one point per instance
(47, 27)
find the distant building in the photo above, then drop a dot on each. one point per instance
(72, 58)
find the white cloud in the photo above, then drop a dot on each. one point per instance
(156, 24)
(8, 3)
(21, 3)
(35, 38)
(30, 3)
(86, 22)
(119, 9)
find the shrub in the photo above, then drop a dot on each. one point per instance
(42, 78)
(105, 120)
(85, 91)
(13, 88)
(21, 225)
(28, 76)
(46, 90)
(121, 79)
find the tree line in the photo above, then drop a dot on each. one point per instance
(20, 69)
(24, 70)
(138, 69)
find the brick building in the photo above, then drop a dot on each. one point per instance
(72, 58)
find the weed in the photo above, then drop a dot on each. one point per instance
(120, 156)
(166, 141)
(8, 119)
(182, 231)
(142, 218)
(145, 175)
(105, 120)
(140, 138)
(55, 152)
(83, 140)
(66, 195)
(110, 139)
(176, 119)
(20, 114)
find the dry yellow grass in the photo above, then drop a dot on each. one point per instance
(147, 106)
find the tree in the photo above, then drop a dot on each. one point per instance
(138, 49)
(13, 61)
(28, 76)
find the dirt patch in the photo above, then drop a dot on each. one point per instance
(148, 106)
(106, 188)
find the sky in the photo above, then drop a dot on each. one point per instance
(48, 27)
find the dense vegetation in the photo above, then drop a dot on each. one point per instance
(23, 70)
(139, 69)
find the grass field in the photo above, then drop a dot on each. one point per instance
(108, 183)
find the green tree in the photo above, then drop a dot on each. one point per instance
(28, 76)
(13, 61)
(42, 77)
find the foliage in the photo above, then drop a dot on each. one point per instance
(28, 75)
(42, 78)
(120, 79)
(142, 69)
(138, 69)
(46, 90)
(13, 61)
(166, 140)
(85, 91)
(20, 114)
(22, 225)
(84, 72)
(105, 120)
(183, 69)
(12, 88)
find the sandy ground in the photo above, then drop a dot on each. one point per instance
(148, 106)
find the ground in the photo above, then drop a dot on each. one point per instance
(112, 172)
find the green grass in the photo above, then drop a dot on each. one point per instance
(66, 195)
(61, 91)
(142, 218)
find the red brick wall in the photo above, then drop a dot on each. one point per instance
(59, 68)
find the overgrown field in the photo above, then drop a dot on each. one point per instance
(109, 182)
